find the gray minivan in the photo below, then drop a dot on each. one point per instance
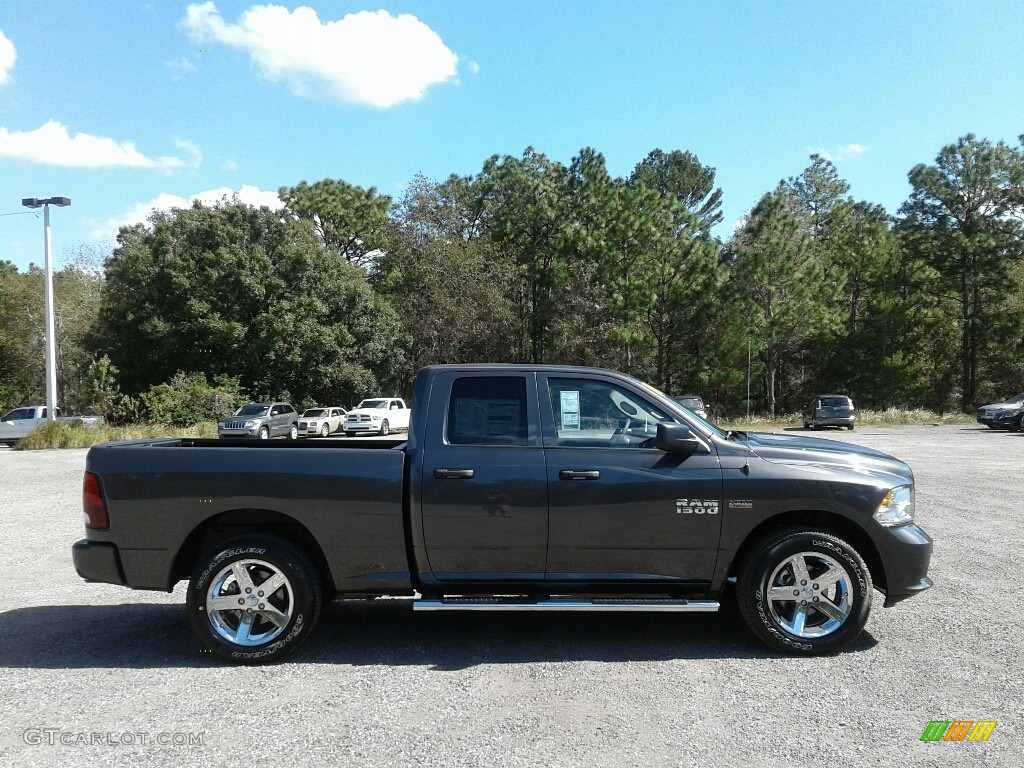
(829, 411)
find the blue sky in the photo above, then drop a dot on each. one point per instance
(123, 105)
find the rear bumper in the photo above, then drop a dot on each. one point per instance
(834, 421)
(98, 561)
(906, 552)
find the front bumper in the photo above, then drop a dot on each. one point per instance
(363, 426)
(254, 432)
(98, 561)
(906, 551)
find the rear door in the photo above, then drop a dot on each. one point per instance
(621, 510)
(484, 501)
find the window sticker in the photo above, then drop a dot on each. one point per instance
(570, 401)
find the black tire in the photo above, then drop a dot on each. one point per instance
(350, 434)
(293, 432)
(993, 426)
(806, 425)
(325, 430)
(385, 428)
(264, 433)
(850, 427)
(296, 603)
(773, 563)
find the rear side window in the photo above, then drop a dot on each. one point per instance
(487, 410)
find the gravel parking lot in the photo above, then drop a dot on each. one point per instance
(379, 686)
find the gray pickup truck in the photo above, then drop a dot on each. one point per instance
(518, 488)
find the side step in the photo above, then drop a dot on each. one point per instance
(594, 604)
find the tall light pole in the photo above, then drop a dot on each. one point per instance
(51, 342)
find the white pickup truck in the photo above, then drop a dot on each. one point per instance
(381, 415)
(17, 423)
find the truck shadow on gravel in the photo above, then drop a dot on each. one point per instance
(385, 633)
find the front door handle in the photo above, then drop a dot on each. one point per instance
(453, 474)
(579, 474)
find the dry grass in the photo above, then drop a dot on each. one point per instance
(890, 417)
(57, 434)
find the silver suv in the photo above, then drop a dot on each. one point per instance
(261, 420)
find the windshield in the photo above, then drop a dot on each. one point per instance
(255, 409)
(314, 412)
(373, 404)
(1018, 399)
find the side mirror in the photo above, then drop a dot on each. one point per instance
(678, 438)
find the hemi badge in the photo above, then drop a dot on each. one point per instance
(741, 504)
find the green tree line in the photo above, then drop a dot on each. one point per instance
(346, 293)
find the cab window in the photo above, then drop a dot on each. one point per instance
(487, 410)
(589, 413)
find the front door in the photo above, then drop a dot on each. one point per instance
(622, 510)
(484, 495)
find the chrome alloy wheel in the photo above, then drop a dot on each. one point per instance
(810, 595)
(250, 602)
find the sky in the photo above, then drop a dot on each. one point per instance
(126, 106)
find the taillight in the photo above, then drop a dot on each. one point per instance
(93, 505)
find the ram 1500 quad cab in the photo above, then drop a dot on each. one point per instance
(518, 488)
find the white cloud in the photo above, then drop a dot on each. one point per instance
(473, 67)
(851, 151)
(229, 165)
(181, 68)
(51, 144)
(165, 201)
(369, 57)
(7, 57)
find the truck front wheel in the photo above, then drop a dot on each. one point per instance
(253, 599)
(804, 591)
(385, 428)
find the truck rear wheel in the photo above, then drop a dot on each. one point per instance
(804, 591)
(253, 599)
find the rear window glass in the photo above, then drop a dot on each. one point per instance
(487, 410)
(835, 402)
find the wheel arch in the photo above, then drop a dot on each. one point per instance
(830, 522)
(227, 525)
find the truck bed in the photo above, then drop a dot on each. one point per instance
(345, 495)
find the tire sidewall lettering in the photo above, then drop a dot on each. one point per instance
(218, 561)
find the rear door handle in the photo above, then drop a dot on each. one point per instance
(579, 474)
(453, 474)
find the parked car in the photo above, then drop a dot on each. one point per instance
(18, 422)
(322, 421)
(1012, 420)
(520, 488)
(261, 420)
(987, 413)
(693, 403)
(382, 415)
(830, 411)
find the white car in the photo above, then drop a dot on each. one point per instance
(322, 421)
(17, 423)
(381, 415)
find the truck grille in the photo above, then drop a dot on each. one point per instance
(234, 425)
(358, 417)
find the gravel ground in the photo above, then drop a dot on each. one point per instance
(379, 686)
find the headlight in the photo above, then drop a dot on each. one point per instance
(248, 424)
(375, 417)
(897, 508)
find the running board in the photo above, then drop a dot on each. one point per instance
(596, 604)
